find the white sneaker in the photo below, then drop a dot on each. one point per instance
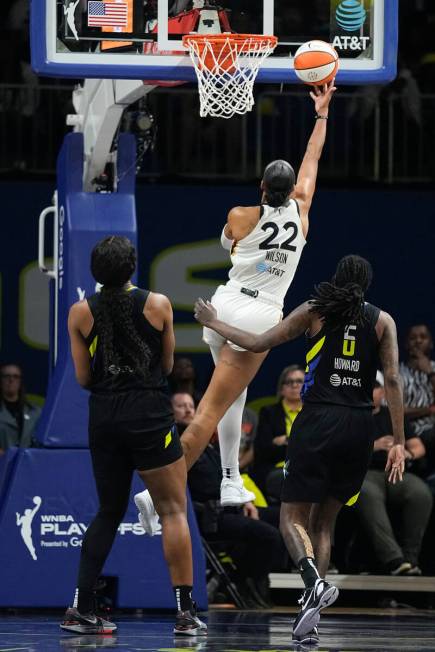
(233, 493)
(148, 517)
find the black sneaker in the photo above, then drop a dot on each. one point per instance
(78, 623)
(311, 638)
(187, 623)
(313, 601)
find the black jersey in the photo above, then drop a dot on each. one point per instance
(342, 363)
(122, 377)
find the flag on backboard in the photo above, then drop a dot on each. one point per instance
(110, 14)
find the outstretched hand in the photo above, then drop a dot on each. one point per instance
(395, 463)
(322, 96)
(204, 312)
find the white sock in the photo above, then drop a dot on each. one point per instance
(230, 432)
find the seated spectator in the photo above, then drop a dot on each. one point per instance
(418, 374)
(18, 417)
(256, 546)
(410, 500)
(183, 379)
(274, 427)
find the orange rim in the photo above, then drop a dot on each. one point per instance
(234, 39)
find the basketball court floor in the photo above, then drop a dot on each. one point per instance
(229, 631)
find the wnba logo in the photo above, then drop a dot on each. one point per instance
(350, 15)
(24, 522)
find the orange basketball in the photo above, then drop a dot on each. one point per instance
(316, 63)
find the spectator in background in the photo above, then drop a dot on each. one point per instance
(411, 499)
(18, 417)
(184, 410)
(274, 427)
(418, 374)
(183, 379)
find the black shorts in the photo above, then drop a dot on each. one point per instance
(328, 453)
(120, 426)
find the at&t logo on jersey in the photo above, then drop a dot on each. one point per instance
(347, 381)
(335, 380)
(262, 267)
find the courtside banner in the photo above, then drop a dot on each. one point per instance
(47, 506)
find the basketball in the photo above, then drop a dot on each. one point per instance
(316, 63)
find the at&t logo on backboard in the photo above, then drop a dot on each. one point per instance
(350, 15)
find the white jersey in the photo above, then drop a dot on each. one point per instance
(266, 260)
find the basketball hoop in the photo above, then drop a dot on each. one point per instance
(226, 66)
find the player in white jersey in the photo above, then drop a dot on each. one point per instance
(266, 243)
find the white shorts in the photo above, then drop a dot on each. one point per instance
(242, 311)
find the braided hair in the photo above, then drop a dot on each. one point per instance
(341, 301)
(113, 261)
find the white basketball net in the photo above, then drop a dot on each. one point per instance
(226, 71)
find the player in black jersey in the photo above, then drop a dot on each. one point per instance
(332, 437)
(122, 344)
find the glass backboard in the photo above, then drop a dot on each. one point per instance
(141, 39)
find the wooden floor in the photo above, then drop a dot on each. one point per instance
(229, 631)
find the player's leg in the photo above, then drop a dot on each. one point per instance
(229, 432)
(256, 316)
(167, 486)
(233, 373)
(294, 522)
(318, 594)
(306, 483)
(321, 529)
(113, 473)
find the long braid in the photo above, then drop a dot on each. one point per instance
(113, 262)
(115, 325)
(341, 301)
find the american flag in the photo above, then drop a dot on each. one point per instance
(110, 14)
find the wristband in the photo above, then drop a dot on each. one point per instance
(321, 117)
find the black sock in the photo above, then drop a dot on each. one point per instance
(308, 570)
(183, 596)
(84, 601)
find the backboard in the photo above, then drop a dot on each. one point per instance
(141, 39)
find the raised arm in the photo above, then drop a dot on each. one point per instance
(306, 181)
(389, 355)
(295, 324)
